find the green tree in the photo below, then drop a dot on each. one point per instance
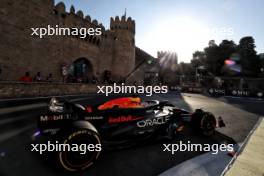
(198, 59)
(249, 59)
(212, 53)
(227, 49)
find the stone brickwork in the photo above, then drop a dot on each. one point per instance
(114, 50)
(12, 90)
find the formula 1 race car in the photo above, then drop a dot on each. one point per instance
(118, 122)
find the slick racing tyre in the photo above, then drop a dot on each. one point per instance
(208, 124)
(85, 146)
(203, 122)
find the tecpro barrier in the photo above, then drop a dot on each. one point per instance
(235, 92)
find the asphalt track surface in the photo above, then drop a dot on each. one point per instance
(17, 124)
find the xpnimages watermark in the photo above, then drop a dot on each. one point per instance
(127, 89)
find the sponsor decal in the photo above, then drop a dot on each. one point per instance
(235, 92)
(153, 122)
(150, 111)
(94, 118)
(52, 131)
(240, 93)
(121, 119)
(44, 118)
(217, 91)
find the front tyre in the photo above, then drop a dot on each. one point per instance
(203, 122)
(208, 124)
(85, 147)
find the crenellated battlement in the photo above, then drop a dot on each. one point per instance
(60, 10)
(113, 50)
(123, 23)
(78, 19)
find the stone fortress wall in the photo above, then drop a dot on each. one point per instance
(114, 50)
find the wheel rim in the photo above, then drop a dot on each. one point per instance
(74, 160)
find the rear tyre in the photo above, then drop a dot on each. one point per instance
(203, 122)
(87, 144)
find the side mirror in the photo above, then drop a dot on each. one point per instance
(55, 105)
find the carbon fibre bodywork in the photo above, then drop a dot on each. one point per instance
(115, 123)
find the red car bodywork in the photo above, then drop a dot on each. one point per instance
(124, 102)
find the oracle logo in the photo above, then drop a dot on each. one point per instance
(153, 122)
